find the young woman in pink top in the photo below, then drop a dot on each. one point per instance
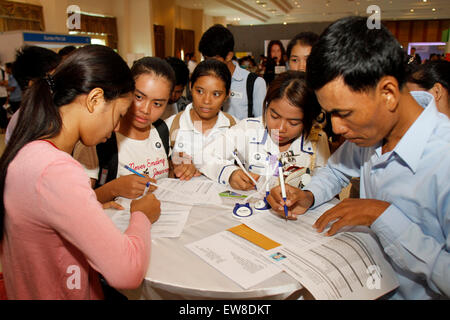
(55, 237)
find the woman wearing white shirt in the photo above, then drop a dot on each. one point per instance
(202, 120)
(285, 133)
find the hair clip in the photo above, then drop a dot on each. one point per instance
(50, 82)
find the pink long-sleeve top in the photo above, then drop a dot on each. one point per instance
(57, 237)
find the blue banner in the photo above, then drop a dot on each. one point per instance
(55, 38)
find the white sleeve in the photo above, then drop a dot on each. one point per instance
(87, 157)
(218, 162)
(259, 94)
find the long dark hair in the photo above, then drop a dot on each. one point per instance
(292, 86)
(428, 74)
(87, 68)
(283, 51)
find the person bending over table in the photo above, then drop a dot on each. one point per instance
(397, 143)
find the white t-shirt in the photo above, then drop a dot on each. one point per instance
(191, 66)
(145, 156)
(191, 141)
(3, 77)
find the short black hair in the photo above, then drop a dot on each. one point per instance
(303, 38)
(213, 68)
(428, 74)
(361, 56)
(181, 70)
(33, 63)
(66, 51)
(216, 41)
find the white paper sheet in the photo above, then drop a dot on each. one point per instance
(349, 265)
(298, 233)
(169, 225)
(188, 192)
(171, 222)
(235, 257)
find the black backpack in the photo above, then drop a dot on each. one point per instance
(108, 155)
(250, 88)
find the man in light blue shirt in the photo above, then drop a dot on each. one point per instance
(237, 104)
(397, 143)
(218, 43)
(15, 93)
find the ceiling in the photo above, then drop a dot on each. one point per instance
(253, 12)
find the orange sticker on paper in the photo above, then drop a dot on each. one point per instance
(254, 237)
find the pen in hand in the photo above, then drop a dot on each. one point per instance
(283, 189)
(140, 175)
(238, 161)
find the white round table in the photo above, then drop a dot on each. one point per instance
(177, 273)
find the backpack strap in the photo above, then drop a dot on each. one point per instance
(174, 129)
(314, 136)
(163, 132)
(108, 161)
(230, 118)
(250, 88)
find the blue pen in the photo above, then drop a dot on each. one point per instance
(137, 173)
(283, 188)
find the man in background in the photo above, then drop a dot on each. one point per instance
(177, 101)
(414, 58)
(247, 92)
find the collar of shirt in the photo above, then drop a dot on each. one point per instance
(419, 132)
(239, 73)
(298, 146)
(187, 124)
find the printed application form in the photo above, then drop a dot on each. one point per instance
(349, 265)
(169, 225)
(237, 258)
(192, 192)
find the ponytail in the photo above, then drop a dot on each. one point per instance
(88, 68)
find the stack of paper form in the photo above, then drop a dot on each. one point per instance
(349, 265)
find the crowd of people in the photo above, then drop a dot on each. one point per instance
(346, 104)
